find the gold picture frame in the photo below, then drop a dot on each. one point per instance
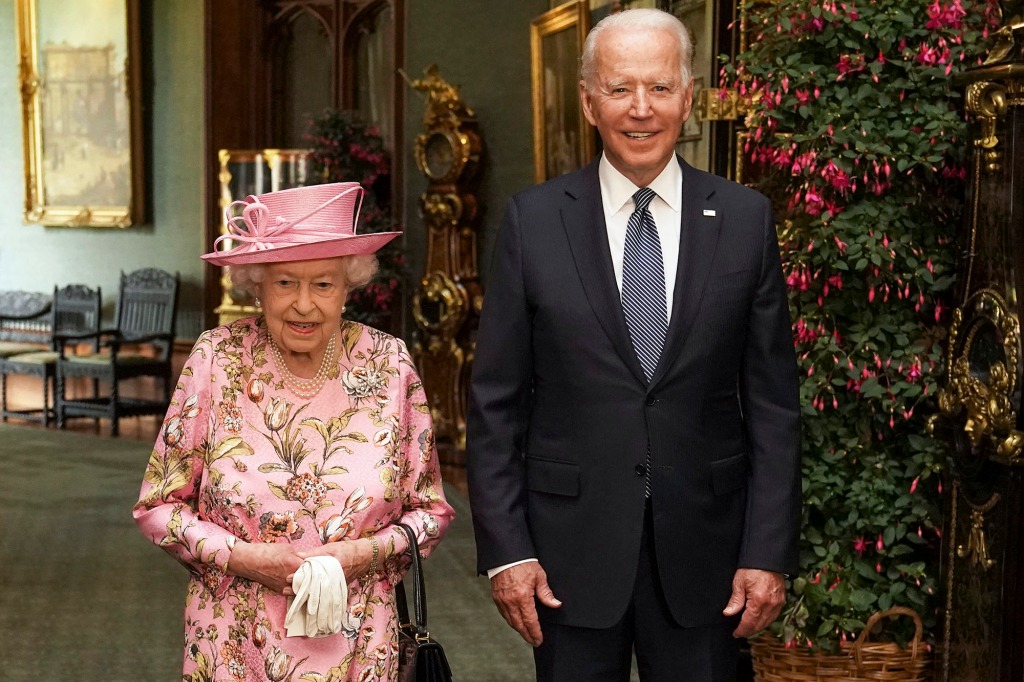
(563, 140)
(80, 79)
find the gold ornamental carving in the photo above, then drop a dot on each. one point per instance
(441, 210)
(984, 343)
(445, 108)
(440, 305)
(986, 100)
(977, 547)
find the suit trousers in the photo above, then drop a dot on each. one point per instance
(665, 652)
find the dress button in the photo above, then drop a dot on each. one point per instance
(651, 400)
(640, 469)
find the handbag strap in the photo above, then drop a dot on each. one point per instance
(419, 591)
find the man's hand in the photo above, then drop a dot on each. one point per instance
(513, 591)
(762, 593)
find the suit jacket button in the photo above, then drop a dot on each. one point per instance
(640, 469)
(651, 400)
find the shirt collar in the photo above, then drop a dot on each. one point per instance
(617, 190)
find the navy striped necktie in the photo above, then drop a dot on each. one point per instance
(643, 284)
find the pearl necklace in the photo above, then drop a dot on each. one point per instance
(304, 388)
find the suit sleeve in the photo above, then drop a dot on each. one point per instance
(769, 394)
(499, 403)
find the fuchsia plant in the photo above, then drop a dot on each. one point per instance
(345, 148)
(855, 133)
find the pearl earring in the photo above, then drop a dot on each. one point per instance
(259, 304)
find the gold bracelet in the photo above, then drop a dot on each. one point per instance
(373, 559)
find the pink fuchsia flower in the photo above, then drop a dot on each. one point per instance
(813, 202)
(860, 545)
(945, 16)
(850, 64)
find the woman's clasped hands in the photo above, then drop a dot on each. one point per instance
(315, 580)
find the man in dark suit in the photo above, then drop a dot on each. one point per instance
(633, 435)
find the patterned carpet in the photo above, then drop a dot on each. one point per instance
(83, 597)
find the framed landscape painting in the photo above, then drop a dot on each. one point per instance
(81, 116)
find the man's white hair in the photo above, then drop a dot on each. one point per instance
(650, 19)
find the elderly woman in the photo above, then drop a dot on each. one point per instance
(294, 444)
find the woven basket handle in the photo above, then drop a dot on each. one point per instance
(890, 613)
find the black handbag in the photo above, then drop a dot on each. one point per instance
(420, 657)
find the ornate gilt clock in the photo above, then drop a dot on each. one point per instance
(446, 304)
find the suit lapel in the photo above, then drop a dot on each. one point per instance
(701, 220)
(583, 219)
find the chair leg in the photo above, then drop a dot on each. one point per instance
(58, 400)
(48, 390)
(46, 402)
(114, 397)
(3, 395)
(96, 394)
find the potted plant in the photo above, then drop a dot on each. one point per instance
(346, 148)
(856, 136)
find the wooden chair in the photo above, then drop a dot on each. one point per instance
(75, 310)
(139, 345)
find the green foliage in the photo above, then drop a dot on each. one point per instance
(347, 149)
(856, 135)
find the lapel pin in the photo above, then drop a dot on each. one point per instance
(709, 213)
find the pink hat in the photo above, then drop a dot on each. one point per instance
(304, 223)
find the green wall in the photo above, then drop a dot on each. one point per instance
(36, 258)
(484, 47)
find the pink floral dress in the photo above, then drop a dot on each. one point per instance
(240, 457)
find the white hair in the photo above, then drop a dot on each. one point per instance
(357, 271)
(649, 19)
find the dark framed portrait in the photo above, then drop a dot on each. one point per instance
(563, 140)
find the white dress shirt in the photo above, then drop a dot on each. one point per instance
(617, 199)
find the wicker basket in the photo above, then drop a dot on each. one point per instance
(857, 662)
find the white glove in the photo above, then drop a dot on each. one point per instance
(320, 605)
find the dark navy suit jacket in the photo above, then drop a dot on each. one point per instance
(561, 415)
